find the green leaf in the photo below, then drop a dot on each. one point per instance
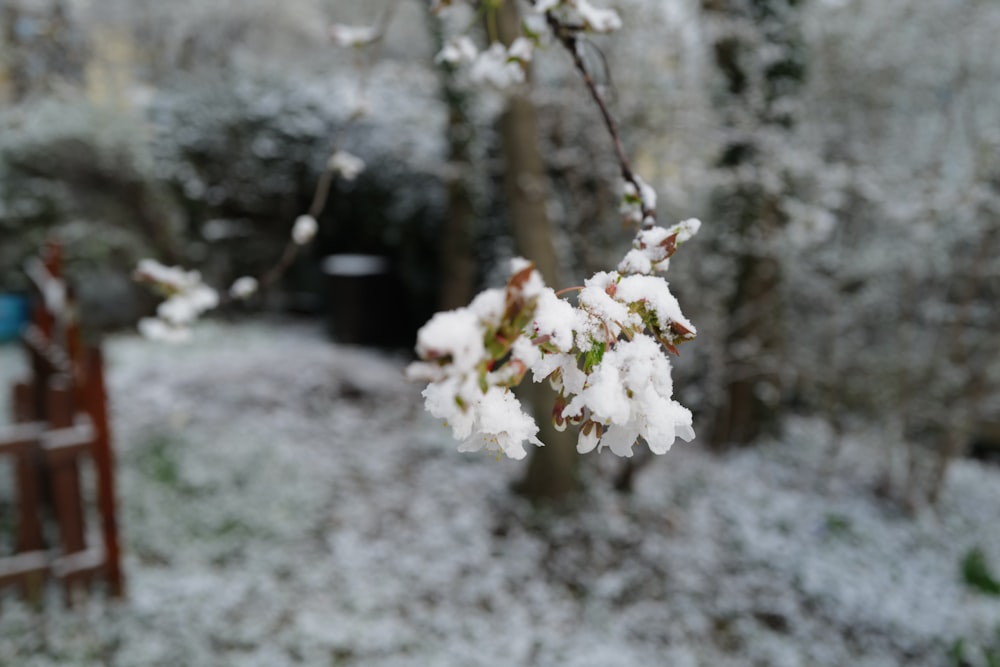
(593, 356)
(496, 344)
(956, 652)
(977, 575)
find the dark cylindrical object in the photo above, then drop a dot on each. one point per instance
(363, 299)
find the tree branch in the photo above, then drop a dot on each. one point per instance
(569, 37)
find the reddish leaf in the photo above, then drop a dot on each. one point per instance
(669, 245)
(680, 330)
(518, 280)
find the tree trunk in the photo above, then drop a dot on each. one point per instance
(457, 259)
(552, 470)
(750, 97)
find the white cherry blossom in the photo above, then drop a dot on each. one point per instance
(501, 425)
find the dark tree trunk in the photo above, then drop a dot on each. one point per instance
(552, 470)
(457, 246)
(750, 213)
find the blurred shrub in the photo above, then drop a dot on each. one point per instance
(83, 174)
(244, 160)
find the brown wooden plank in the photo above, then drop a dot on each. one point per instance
(21, 442)
(64, 472)
(96, 404)
(30, 535)
(23, 402)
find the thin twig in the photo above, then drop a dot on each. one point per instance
(569, 37)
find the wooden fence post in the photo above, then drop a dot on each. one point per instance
(96, 405)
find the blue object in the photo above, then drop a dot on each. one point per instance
(13, 315)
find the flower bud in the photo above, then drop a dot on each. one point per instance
(304, 230)
(243, 288)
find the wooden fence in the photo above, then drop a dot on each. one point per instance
(60, 433)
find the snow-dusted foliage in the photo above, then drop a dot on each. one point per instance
(52, 153)
(244, 159)
(893, 268)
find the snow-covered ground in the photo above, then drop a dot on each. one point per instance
(285, 501)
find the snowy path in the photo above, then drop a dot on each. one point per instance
(286, 501)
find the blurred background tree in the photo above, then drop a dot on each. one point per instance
(842, 153)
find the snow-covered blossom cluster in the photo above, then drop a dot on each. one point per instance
(605, 356)
(652, 248)
(346, 165)
(503, 67)
(581, 13)
(498, 66)
(187, 298)
(577, 13)
(348, 35)
(638, 201)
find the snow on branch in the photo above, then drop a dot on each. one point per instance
(606, 357)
